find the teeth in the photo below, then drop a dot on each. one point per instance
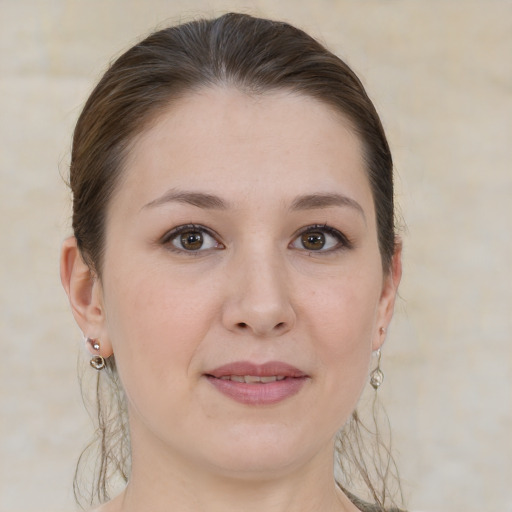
(251, 379)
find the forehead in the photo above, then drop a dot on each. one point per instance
(222, 138)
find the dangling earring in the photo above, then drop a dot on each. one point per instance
(97, 361)
(376, 376)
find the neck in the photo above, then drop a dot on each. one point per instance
(160, 485)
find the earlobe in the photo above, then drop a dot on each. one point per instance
(388, 295)
(84, 293)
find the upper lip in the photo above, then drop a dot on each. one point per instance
(269, 369)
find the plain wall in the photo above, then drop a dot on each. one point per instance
(440, 74)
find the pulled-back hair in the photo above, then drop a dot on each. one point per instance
(255, 56)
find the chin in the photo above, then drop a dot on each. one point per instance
(256, 468)
(266, 452)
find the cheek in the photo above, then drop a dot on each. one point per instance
(343, 323)
(345, 309)
(155, 325)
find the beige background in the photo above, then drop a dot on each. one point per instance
(440, 73)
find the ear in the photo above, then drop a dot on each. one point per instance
(85, 295)
(388, 296)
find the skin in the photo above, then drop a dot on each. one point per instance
(253, 293)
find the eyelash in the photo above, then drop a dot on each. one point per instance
(172, 235)
(343, 241)
(169, 237)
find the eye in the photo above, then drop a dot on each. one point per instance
(320, 239)
(191, 238)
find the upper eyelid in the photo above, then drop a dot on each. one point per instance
(339, 235)
(169, 235)
(320, 227)
(312, 226)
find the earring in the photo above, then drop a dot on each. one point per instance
(97, 361)
(377, 377)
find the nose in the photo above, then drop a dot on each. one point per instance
(259, 297)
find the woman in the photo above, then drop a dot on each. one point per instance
(234, 250)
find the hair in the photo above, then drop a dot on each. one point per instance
(253, 55)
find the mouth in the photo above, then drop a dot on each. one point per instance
(253, 384)
(253, 379)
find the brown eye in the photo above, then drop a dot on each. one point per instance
(321, 239)
(191, 240)
(313, 240)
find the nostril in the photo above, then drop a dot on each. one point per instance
(276, 329)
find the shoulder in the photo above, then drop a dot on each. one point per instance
(363, 506)
(110, 506)
(366, 507)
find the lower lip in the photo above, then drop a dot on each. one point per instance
(259, 393)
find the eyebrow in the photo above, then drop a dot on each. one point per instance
(213, 202)
(199, 199)
(320, 201)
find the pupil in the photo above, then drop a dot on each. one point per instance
(313, 241)
(192, 240)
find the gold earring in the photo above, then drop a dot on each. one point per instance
(377, 377)
(97, 361)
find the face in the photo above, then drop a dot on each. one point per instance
(242, 288)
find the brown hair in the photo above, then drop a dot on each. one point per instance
(251, 54)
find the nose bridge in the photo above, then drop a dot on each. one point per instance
(260, 299)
